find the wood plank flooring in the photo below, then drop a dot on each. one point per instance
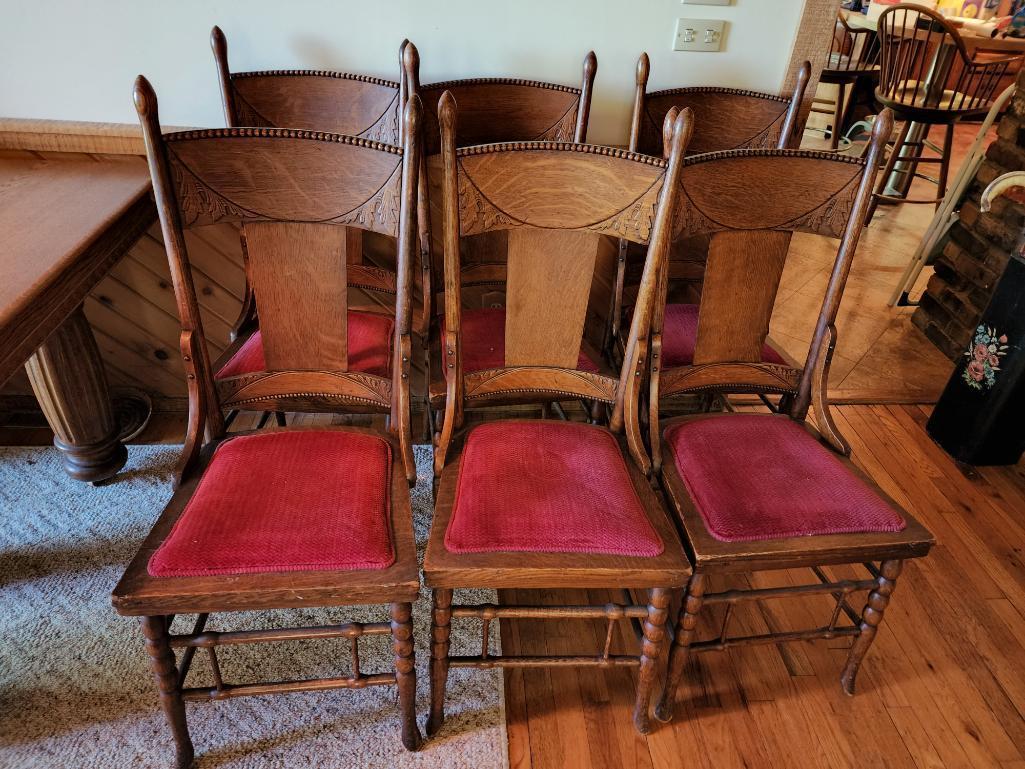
(943, 686)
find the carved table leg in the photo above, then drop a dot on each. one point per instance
(67, 377)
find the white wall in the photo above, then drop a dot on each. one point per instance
(75, 60)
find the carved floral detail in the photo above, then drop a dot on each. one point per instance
(197, 202)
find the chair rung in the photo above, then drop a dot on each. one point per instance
(280, 687)
(761, 594)
(896, 199)
(491, 611)
(514, 661)
(273, 635)
(772, 638)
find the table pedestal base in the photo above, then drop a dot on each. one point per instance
(67, 377)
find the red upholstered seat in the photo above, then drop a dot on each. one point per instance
(547, 487)
(761, 476)
(297, 500)
(680, 334)
(369, 348)
(483, 341)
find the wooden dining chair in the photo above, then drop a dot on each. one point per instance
(724, 119)
(853, 56)
(292, 517)
(926, 76)
(549, 503)
(337, 102)
(491, 110)
(755, 492)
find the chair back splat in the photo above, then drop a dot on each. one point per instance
(295, 191)
(749, 203)
(554, 200)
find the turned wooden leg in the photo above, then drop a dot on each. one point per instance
(651, 650)
(686, 629)
(67, 377)
(405, 671)
(871, 618)
(441, 617)
(161, 660)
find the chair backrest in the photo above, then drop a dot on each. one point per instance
(556, 200)
(924, 65)
(852, 49)
(749, 203)
(724, 118)
(315, 100)
(493, 110)
(295, 191)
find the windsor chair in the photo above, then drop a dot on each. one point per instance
(927, 78)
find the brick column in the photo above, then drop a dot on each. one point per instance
(976, 253)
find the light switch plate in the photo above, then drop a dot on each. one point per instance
(699, 35)
(706, 2)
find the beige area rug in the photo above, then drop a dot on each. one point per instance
(75, 689)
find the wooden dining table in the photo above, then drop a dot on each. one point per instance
(65, 220)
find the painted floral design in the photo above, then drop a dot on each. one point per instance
(984, 354)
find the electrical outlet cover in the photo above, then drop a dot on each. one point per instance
(699, 35)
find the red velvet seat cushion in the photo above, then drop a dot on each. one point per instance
(680, 335)
(483, 342)
(297, 500)
(547, 487)
(369, 348)
(758, 476)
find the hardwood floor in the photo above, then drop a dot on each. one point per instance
(943, 686)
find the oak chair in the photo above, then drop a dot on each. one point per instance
(491, 110)
(318, 100)
(853, 55)
(927, 77)
(724, 119)
(756, 492)
(549, 503)
(342, 492)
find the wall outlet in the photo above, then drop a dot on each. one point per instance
(699, 34)
(706, 2)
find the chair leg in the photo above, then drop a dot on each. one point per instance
(405, 671)
(871, 618)
(888, 169)
(948, 145)
(441, 617)
(166, 675)
(651, 652)
(279, 417)
(685, 632)
(834, 138)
